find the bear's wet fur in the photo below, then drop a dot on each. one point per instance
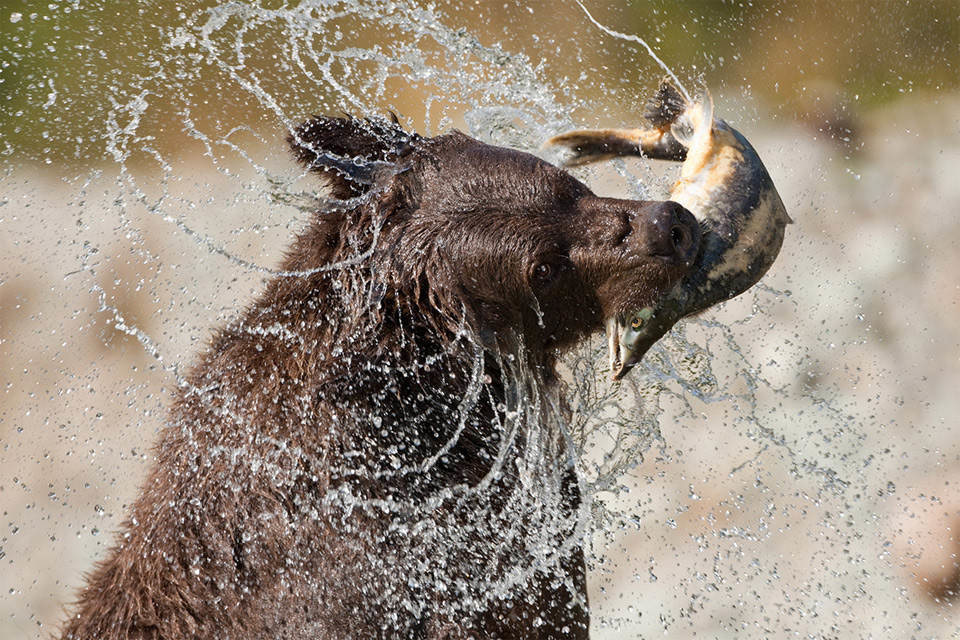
(376, 447)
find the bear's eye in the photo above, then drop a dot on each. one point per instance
(544, 272)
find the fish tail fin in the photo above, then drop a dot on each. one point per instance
(593, 145)
(666, 105)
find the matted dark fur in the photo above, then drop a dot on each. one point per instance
(375, 448)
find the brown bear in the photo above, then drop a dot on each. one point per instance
(376, 448)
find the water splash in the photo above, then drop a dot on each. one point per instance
(643, 43)
(501, 96)
(507, 102)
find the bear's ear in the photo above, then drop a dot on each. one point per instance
(349, 151)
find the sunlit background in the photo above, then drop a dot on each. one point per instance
(805, 479)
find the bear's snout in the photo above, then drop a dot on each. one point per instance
(669, 231)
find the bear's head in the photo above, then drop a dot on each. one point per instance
(495, 240)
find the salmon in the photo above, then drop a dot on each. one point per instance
(722, 182)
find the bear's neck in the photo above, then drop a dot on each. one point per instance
(435, 407)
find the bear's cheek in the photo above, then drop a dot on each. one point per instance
(564, 312)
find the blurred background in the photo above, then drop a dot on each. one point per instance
(795, 459)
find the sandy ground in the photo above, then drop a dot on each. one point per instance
(812, 495)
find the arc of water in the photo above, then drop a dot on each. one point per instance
(640, 41)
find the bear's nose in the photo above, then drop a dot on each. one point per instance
(672, 232)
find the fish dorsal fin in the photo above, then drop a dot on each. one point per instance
(694, 126)
(666, 105)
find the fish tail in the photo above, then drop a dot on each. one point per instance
(593, 145)
(666, 105)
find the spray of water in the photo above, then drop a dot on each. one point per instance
(366, 58)
(633, 38)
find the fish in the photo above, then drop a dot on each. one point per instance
(723, 183)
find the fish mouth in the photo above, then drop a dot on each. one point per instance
(626, 343)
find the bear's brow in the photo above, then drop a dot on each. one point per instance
(507, 181)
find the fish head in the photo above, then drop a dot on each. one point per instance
(630, 335)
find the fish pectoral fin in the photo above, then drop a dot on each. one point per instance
(707, 107)
(683, 131)
(694, 127)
